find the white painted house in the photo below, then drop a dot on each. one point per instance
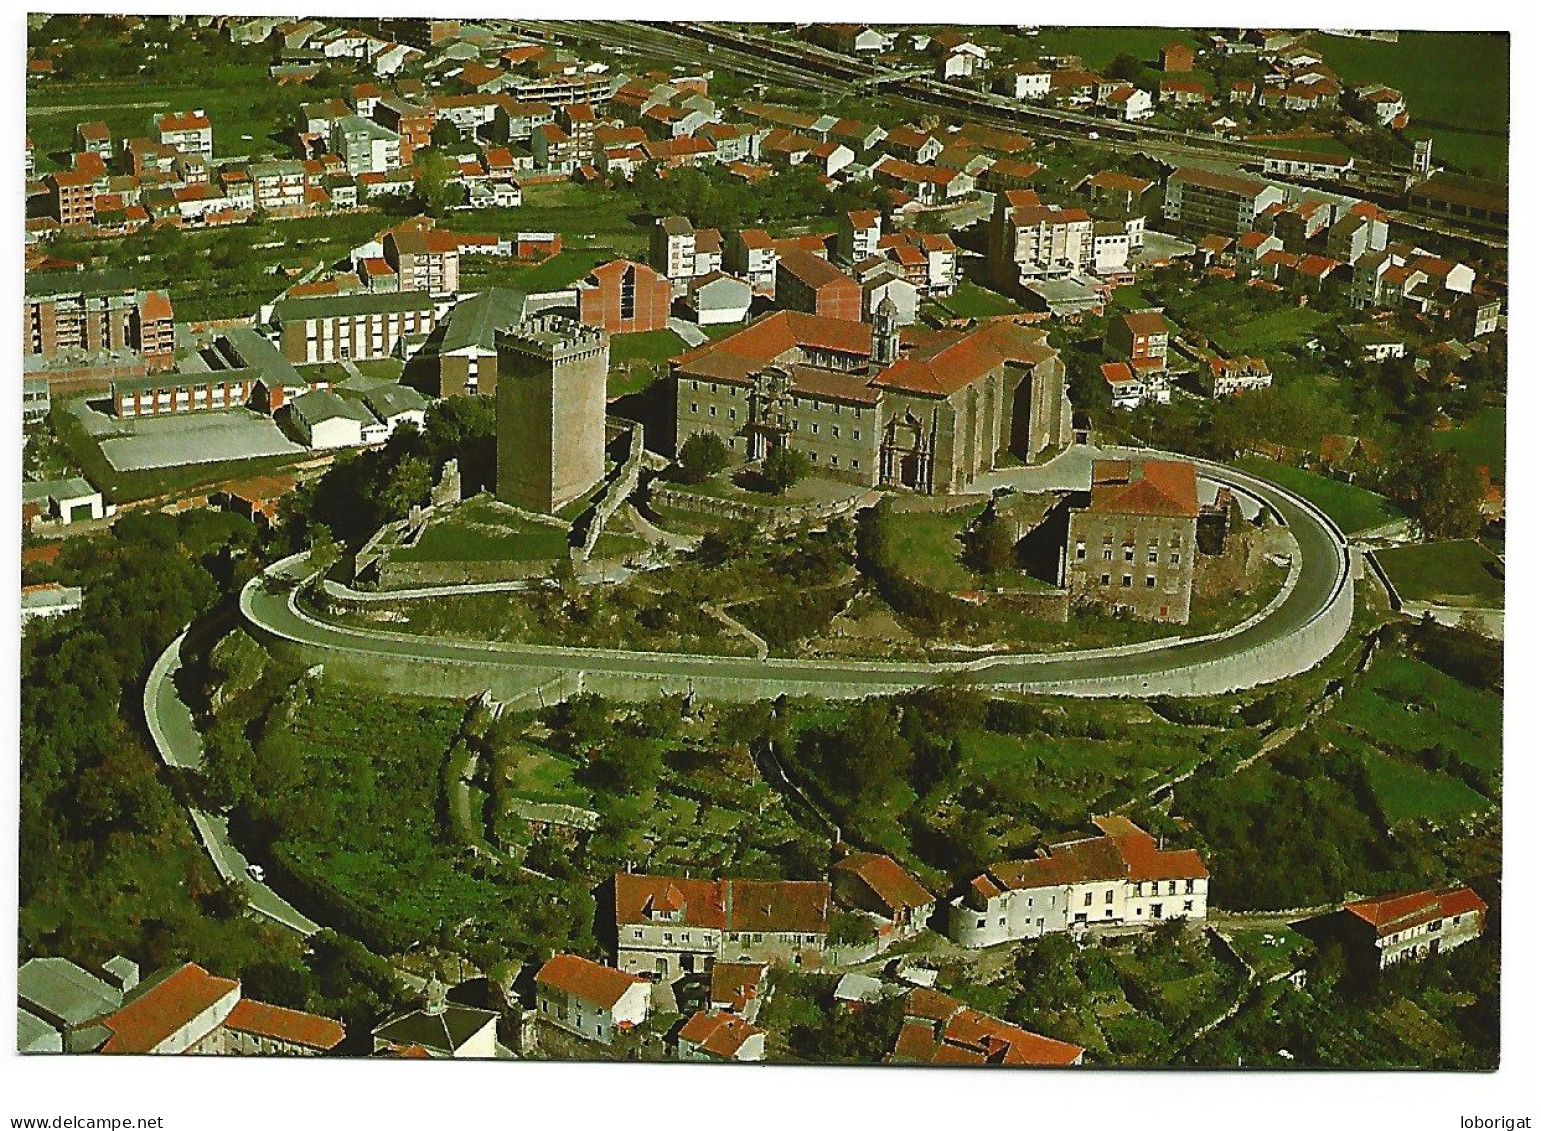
(590, 1000)
(1121, 878)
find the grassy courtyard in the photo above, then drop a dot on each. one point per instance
(483, 531)
(1446, 573)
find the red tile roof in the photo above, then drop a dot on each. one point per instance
(1392, 913)
(156, 307)
(281, 1024)
(887, 880)
(800, 906)
(736, 984)
(587, 980)
(1151, 487)
(942, 1030)
(165, 1007)
(813, 270)
(721, 1034)
(187, 120)
(946, 361)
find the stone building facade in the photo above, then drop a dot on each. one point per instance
(550, 411)
(1131, 543)
(1410, 926)
(672, 925)
(926, 410)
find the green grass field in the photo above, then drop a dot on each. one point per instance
(971, 300)
(1406, 705)
(1405, 790)
(583, 214)
(1456, 83)
(1481, 440)
(557, 273)
(1352, 508)
(1288, 325)
(479, 532)
(1445, 573)
(654, 345)
(1099, 46)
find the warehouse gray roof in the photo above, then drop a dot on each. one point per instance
(341, 306)
(473, 322)
(321, 405)
(386, 401)
(58, 990)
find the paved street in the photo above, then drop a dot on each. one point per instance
(1323, 572)
(179, 744)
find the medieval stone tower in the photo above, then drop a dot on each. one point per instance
(551, 411)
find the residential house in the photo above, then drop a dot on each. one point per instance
(1141, 336)
(719, 1037)
(589, 1000)
(1316, 166)
(1181, 93)
(857, 237)
(1410, 926)
(1026, 82)
(739, 987)
(180, 1009)
(93, 137)
(1122, 877)
(938, 1029)
(188, 131)
(877, 884)
(1177, 58)
(927, 184)
(671, 925)
(1131, 542)
(807, 283)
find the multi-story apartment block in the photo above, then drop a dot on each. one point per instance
(98, 311)
(752, 254)
(554, 149)
(929, 259)
(1414, 925)
(1031, 242)
(359, 326)
(1120, 878)
(671, 925)
(1361, 231)
(278, 184)
(858, 235)
(365, 146)
(424, 258)
(1141, 336)
(672, 250)
(1198, 200)
(72, 197)
(411, 120)
(188, 131)
(1131, 541)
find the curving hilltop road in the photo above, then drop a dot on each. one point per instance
(1296, 632)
